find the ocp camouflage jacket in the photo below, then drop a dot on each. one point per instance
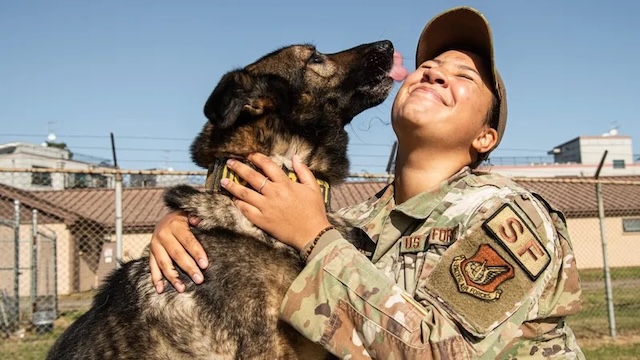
(478, 268)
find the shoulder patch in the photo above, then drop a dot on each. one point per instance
(478, 283)
(481, 274)
(510, 230)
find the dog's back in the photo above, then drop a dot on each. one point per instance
(233, 315)
(107, 330)
(292, 101)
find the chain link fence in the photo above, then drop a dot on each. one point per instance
(603, 218)
(62, 232)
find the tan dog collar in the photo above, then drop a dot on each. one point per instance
(218, 170)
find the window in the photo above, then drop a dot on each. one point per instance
(631, 225)
(80, 180)
(41, 178)
(618, 164)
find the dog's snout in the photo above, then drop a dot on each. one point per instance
(384, 45)
(379, 55)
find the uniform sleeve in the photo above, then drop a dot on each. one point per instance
(343, 302)
(472, 303)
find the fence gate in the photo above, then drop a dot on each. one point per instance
(28, 260)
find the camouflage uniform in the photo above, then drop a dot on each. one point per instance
(479, 268)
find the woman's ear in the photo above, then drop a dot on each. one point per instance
(486, 140)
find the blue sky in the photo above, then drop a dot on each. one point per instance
(143, 69)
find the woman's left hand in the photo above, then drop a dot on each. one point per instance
(292, 212)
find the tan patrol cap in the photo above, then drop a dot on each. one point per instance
(465, 28)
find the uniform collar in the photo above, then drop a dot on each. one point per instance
(418, 207)
(421, 205)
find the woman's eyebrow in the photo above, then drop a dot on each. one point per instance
(458, 65)
(468, 68)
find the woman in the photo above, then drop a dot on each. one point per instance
(457, 263)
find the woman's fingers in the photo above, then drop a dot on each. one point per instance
(173, 241)
(240, 192)
(271, 169)
(156, 274)
(305, 176)
(194, 249)
(163, 261)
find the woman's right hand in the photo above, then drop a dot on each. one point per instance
(173, 240)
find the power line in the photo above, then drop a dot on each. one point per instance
(101, 137)
(128, 149)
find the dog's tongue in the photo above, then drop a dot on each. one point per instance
(397, 72)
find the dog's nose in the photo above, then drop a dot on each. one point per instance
(384, 45)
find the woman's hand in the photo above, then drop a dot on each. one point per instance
(173, 240)
(292, 212)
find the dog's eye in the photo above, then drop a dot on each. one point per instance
(315, 58)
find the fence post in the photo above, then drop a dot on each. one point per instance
(607, 273)
(16, 257)
(603, 240)
(55, 273)
(118, 205)
(34, 259)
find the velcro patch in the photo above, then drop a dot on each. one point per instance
(478, 282)
(413, 244)
(444, 235)
(509, 229)
(481, 274)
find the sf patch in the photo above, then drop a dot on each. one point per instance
(510, 230)
(481, 274)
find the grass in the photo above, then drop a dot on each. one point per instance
(29, 346)
(619, 349)
(590, 325)
(592, 321)
(619, 273)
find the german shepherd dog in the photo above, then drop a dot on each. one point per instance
(292, 101)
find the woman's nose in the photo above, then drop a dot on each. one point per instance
(436, 75)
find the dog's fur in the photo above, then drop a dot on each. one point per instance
(292, 101)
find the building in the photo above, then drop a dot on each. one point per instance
(579, 157)
(82, 224)
(588, 150)
(19, 155)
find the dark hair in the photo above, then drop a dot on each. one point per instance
(491, 119)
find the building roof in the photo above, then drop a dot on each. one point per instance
(143, 207)
(351, 193)
(48, 211)
(576, 198)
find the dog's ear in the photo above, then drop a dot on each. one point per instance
(238, 94)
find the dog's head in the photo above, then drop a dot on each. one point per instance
(295, 100)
